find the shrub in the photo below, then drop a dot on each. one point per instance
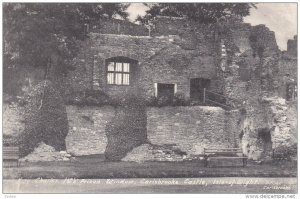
(285, 152)
(96, 97)
(163, 101)
(151, 101)
(179, 100)
(243, 110)
(45, 119)
(128, 128)
(89, 97)
(133, 102)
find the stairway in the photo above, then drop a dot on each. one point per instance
(216, 99)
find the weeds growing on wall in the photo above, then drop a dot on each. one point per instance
(89, 98)
(100, 98)
(178, 100)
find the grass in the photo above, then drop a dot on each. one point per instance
(91, 167)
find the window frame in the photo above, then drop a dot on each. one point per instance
(114, 72)
(158, 88)
(293, 95)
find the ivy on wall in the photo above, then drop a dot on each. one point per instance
(45, 119)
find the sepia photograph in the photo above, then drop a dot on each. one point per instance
(149, 98)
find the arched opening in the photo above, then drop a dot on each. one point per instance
(264, 135)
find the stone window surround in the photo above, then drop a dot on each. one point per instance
(124, 74)
(156, 88)
(128, 72)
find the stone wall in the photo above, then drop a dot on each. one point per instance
(281, 125)
(13, 119)
(163, 58)
(241, 35)
(116, 26)
(292, 118)
(232, 127)
(265, 111)
(87, 129)
(287, 67)
(292, 46)
(261, 113)
(190, 128)
(164, 25)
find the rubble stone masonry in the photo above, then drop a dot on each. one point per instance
(191, 128)
(172, 59)
(87, 129)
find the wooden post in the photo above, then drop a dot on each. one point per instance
(204, 93)
(149, 31)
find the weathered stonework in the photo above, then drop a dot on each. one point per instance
(243, 63)
(257, 75)
(292, 46)
(191, 128)
(121, 27)
(161, 58)
(282, 134)
(13, 119)
(265, 111)
(87, 129)
(287, 68)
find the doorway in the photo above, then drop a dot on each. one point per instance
(264, 135)
(197, 86)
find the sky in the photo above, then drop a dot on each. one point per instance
(278, 17)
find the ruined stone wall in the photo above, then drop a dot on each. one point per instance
(282, 130)
(176, 66)
(240, 35)
(232, 127)
(265, 37)
(160, 60)
(136, 48)
(190, 128)
(87, 129)
(292, 118)
(288, 65)
(253, 119)
(258, 113)
(287, 74)
(13, 119)
(116, 26)
(261, 113)
(164, 25)
(264, 112)
(292, 46)
(79, 79)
